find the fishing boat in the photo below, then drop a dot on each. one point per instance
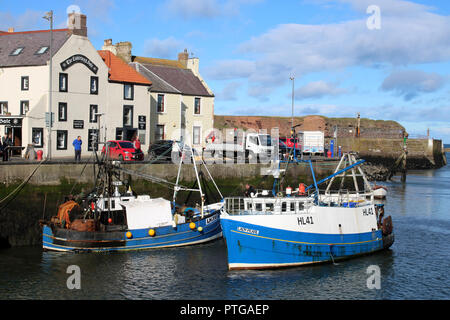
(292, 227)
(113, 218)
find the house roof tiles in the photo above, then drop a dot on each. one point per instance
(120, 71)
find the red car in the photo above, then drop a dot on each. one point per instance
(123, 151)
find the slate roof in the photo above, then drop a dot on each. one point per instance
(158, 84)
(180, 78)
(120, 71)
(31, 41)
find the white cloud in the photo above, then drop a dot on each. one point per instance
(411, 83)
(318, 89)
(229, 92)
(165, 48)
(409, 34)
(29, 20)
(190, 9)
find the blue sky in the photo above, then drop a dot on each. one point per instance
(248, 50)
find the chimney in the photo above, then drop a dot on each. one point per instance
(108, 45)
(10, 30)
(123, 50)
(183, 58)
(77, 24)
(192, 64)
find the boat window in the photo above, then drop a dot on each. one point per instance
(293, 206)
(106, 204)
(258, 206)
(113, 204)
(269, 206)
(283, 206)
(301, 206)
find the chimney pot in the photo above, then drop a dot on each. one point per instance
(77, 24)
(10, 30)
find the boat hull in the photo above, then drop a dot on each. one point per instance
(59, 239)
(253, 246)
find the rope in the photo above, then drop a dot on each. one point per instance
(19, 188)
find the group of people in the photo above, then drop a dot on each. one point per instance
(5, 143)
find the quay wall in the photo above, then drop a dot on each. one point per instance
(51, 183)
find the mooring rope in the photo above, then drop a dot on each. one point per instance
(19, 188)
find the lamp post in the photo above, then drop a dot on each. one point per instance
(292, 120)
(49, 16)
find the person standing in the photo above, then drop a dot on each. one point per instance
(77, 146)
(6, 141)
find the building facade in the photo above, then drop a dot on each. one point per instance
(86, 98)
(106, 94)
(182, 104)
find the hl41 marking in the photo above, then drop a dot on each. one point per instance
(304, 221)
(367, 211)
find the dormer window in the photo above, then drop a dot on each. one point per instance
(17, 51)
(42, 50)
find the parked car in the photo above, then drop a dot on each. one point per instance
(162, 150)
(123, 150)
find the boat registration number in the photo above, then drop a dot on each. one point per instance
(305, 220)
(367, 211)
(211, 219)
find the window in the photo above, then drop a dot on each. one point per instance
(16, 52)
(92, 139)
(42, 50)
(62, 111)
(37, 135)
(196, 135)
(25, 83)
(3, 107)
(197, 106)
(63, 78)
(61, 139)
(159, 134)
(24, 107)
(127, 116)
(128, 92)
(119, 134)
(94, 85)
(293, 206)
(160, 106)
(93, 109)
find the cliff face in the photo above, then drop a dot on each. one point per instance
(346, 127)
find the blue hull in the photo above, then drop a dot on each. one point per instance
(255, 247)
(69, 240)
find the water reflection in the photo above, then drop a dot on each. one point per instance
(416, 266)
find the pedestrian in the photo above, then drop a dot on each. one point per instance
(137, 144)
(6, 142)
(77, 146)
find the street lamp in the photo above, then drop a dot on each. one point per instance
(49, 16)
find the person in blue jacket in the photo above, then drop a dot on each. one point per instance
(77, 146)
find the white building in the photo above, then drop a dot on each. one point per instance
(86, 85)
(182, 104)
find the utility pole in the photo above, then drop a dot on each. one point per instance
(49, 16)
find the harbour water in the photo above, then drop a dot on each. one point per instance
(416, 266)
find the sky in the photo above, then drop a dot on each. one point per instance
(384, 59)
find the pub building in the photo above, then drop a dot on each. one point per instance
(94, 93)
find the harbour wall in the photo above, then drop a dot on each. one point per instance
(51, 183)
(422, 153)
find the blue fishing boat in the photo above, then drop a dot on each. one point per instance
(111, 219)
(301, 226)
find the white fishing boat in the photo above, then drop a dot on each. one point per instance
(291, 227)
